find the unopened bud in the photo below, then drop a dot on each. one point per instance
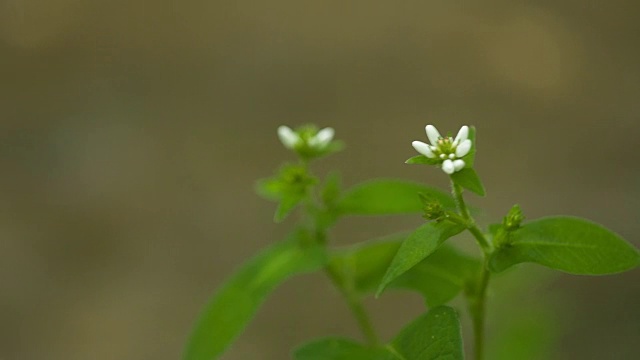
(433, 209)
(513, 219)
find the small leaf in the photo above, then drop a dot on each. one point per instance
(433, 336)
(422, 160)
(340, 349)
(270, 188)
(439, 277)
(568, 244)
(288, 203)
(469, 159)
(235, 303)
(289, 187)
(468, 179)
(420, 244)
(379, 197)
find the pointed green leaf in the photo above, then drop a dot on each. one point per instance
(420, 244)
(568, 244)
(379, 197)
(468, 179)
(340, 349)
(422, 160)
(433, 336)
(469, 159)
(439, 277)
(270, 188)
(288, 203)
(236, 302)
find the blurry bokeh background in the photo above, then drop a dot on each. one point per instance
(131, 133)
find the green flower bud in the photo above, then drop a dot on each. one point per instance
(513, 219)
(433, 209)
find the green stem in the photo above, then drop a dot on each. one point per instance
(355, 305)
(477, 305)
(350, 296)
(477, 296)
(471, 224)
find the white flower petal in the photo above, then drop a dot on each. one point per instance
(463, 134)
(463, 148)
(322, 138)
(458, 164)
(447, 167)
(288, 137)
(432, 134)
(423, 149)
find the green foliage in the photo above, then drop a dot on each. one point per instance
(439, 277)
(418, 261)
(340, 349)
(468, 179)
(289, 188)
(420, 244)
(568, 244)
(384, 196)
(470, 158)
(237, 300)
(432, 336)
(422, 160)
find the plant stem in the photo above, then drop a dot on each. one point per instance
(355, 305)
(478, 294)
(350, 296)
(471, 224)
(477, 310)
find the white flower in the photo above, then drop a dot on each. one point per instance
(307, 137)
(288, 137)
(447, 149)
(322, 138)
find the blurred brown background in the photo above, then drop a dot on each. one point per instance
(132, 133)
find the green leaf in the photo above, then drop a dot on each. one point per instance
(236, 302)
(288, 203)
(469, 159)
(420, 244)
(289, 188)
(422, 160)
(362, 266)
(468, 179)
(270, 188)
(340, 349)
(386, 196)
(439, 277)
(568, 244)
(433, 336)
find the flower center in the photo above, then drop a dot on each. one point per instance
(445, 148)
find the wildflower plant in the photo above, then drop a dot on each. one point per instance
(421, 260)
